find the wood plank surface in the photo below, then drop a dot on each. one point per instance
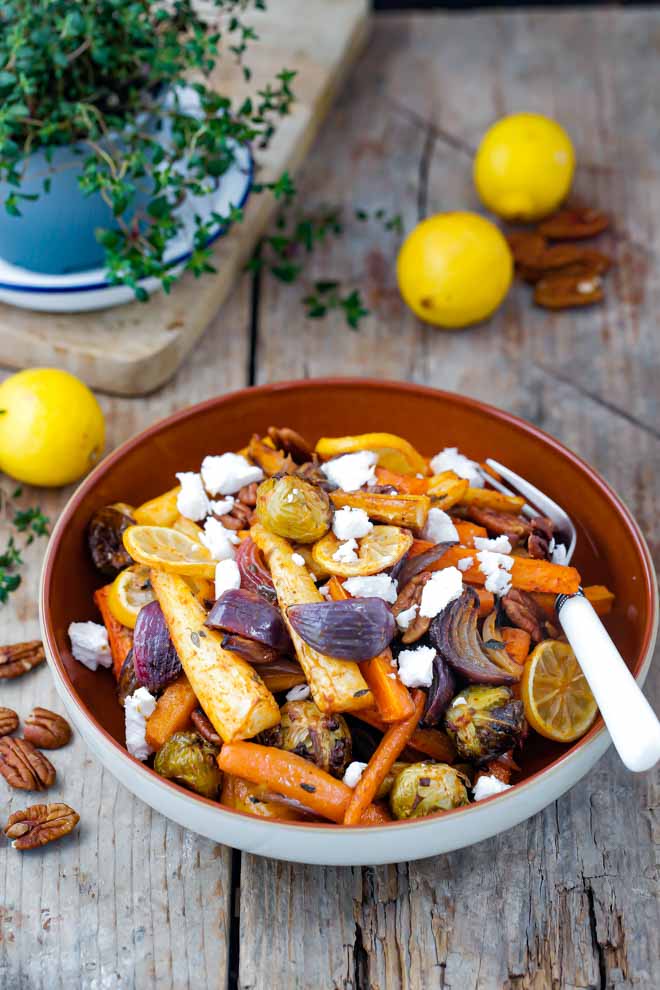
(568, 899)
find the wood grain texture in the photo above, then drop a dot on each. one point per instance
(568, 899)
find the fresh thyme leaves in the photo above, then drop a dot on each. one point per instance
(30, 521)
(10, 559)
(393, 222)
(327, 297)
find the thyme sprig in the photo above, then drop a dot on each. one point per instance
(30, 521)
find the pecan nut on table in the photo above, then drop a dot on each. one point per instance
(39, 824)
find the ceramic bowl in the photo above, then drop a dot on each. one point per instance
(610, 550)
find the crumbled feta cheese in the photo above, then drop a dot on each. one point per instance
(300, 692)
(222, 506)
(137, 709)
(351, 471)
(404, 618)
(459, 701)
(552, 544)
(89, 644)
(416, 666)
(439, 527)
(487, 786)
(465, 563)
(351, 524)
(346, 553)
(192, 501)
(227, 576)
(496, 567)
(218, 540)
(298, 559)
(501, 544)
(449, 459)
(353, 773)
(559, 554)
(226, 474)
(376, 586)
(442, 588)
(324, 590)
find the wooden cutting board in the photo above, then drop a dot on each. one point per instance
(134, 349)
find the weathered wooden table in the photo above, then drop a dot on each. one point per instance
(569, 898)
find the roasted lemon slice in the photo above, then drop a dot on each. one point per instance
(130, 590)
(378, 550)
(168, 550)
(188, 528)
(558, 701)
(394, 453)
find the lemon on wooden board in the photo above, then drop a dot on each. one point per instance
(524, 166)
(51, 427)
(454, 269)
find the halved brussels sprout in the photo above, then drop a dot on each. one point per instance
(294, 509)
(423, 788)
(323, 739)
(190, 760)
(485, 721)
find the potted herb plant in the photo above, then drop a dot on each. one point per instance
(100, 146)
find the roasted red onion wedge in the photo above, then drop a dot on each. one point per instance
(441, 692)
(255, 576)
(354, 629)
(415, 565)
(155, 659)
(455, 636)
(245, 613)
(249, 649)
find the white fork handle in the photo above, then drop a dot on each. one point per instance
(630, 720)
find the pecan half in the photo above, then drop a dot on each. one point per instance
(46, 729)
(8, 721)
(561, 291)
(501, 523)
(242, 515)
(18, 658)
(573, 223)
(39, 824)
(204, 727)
(567, 259)
(538, 544)
(527, 246)
(23, 766)
(523, 611)
(291, 443)
(411, 594)
(311, 471)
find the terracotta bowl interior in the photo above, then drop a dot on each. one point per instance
(609, 550)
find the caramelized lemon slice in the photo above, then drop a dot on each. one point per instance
(168, 550)
(379, 549)
(394, 453)
(558, 701)
(130, 590)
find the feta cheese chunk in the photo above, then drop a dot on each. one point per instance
(219, 542)
(137, 709)
(376, 586)
(300, 692)
(500, 544)
(226, 474)
(496, 567)
(487, 786)
(416, 666)
(559, 554)
(439, 527)
(227, 576)
(192, 501)
(346, 553)
(222, 506)
(351, 524)
(443, 587)
(351, 471)
(324, 591)
(353, 773)
(298, 559)
(404, 618)
(465, 563)
(89, 644)
(449, 459)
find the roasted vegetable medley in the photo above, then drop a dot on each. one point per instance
(351, 632)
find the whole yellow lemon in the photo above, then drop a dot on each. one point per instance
(454, 269)
(51, 427)
(524, 166)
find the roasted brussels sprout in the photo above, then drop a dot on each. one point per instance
(322, 739)
(423, 788)
(485, 721)
(387, 785)
(190, 760)
(294, 509)
(104, 538)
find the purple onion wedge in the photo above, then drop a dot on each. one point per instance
(441, 692)
(255, 576)
(249, 649)
(354, 629)
(455, 636)
(412, 566)
(155, 659)
(245, 613)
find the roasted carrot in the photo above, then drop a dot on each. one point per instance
(289, 775)
(486, 498)
(517, 643)
(243, 795)
(430, 742)
(405, 483)
(120, 637)
(392, 698)
(527, 573)
(172, 712)
(600, 597)
(486, 602)
(419, 546)
(390, 747)
(467, 532)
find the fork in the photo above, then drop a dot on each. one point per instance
(631, 722)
